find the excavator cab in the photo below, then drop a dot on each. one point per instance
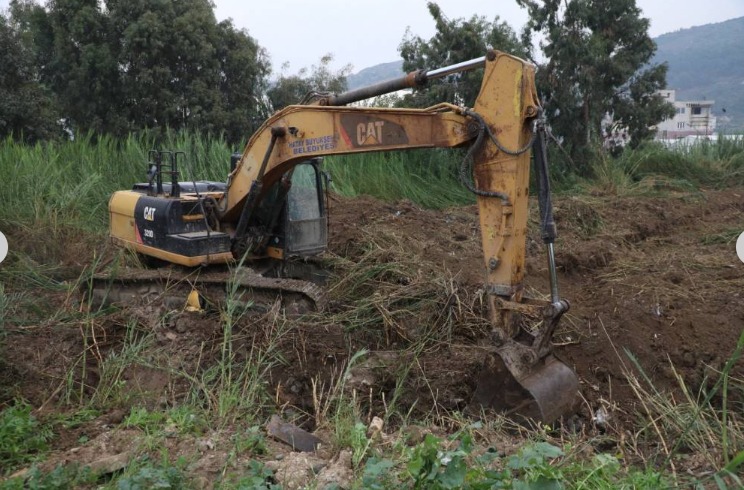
(294, 209)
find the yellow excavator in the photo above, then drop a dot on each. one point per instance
(271, 211)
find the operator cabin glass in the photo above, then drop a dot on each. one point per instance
(304, 200)
(307, 232)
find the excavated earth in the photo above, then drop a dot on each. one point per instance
(654, 284)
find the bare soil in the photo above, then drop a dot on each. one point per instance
(655, 277)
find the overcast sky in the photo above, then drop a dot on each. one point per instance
(365, 33)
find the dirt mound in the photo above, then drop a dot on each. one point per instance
(653, 277)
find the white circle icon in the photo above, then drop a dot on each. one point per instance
(3, 247)
(740, 247)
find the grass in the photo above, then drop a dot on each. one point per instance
(64, 186)
(426, 177)
(58, 185)
(705, 421)
(652, 168)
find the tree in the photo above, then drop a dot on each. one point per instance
(455, 41)
(26, 107)
(167, 62)
(292, 89)
(598, 53)
(138, 64)
(244, 69)
(81, 68)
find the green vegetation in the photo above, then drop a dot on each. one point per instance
(59, 186)
(121, 67)
(22, 437)
(428, 178)
(652, 168)
(68, 183)
(293, 89)
(695, 424)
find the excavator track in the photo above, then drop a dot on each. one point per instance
(171, 287)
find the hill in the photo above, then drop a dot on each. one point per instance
(705, 62)
(374, 74)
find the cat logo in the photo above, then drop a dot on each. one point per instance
(369, 133)
(358, 131)
(149, 213)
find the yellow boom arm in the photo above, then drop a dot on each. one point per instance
(506, 105)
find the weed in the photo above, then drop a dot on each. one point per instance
(250, 441)
(429, 178)
(60, 478)
(725, 237)
(184, 419)
(112, 387)
(454, 463)
(431, 468)
(22, 437)
(255, 477)
(360, 444)
(73, 419)
(147, 475)
(377, 474)
(694, 423)
(149, 422)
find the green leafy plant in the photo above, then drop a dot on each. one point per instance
(377, 474)
(255, 477)
(22, 436)
(430, 467)
(60, 478)
(251, 441)
(147, 421)
(148, 477)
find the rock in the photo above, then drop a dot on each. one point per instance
(110, 464)
(295, 471)
(299, 439)
(337, 473)
(375, 427)
(204, 445)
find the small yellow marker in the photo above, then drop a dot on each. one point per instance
(193, 302)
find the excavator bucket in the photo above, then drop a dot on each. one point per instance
(513, 380)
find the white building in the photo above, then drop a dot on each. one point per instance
(691, 118)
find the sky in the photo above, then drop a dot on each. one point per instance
(366, 33)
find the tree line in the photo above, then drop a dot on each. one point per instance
(119, 66)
